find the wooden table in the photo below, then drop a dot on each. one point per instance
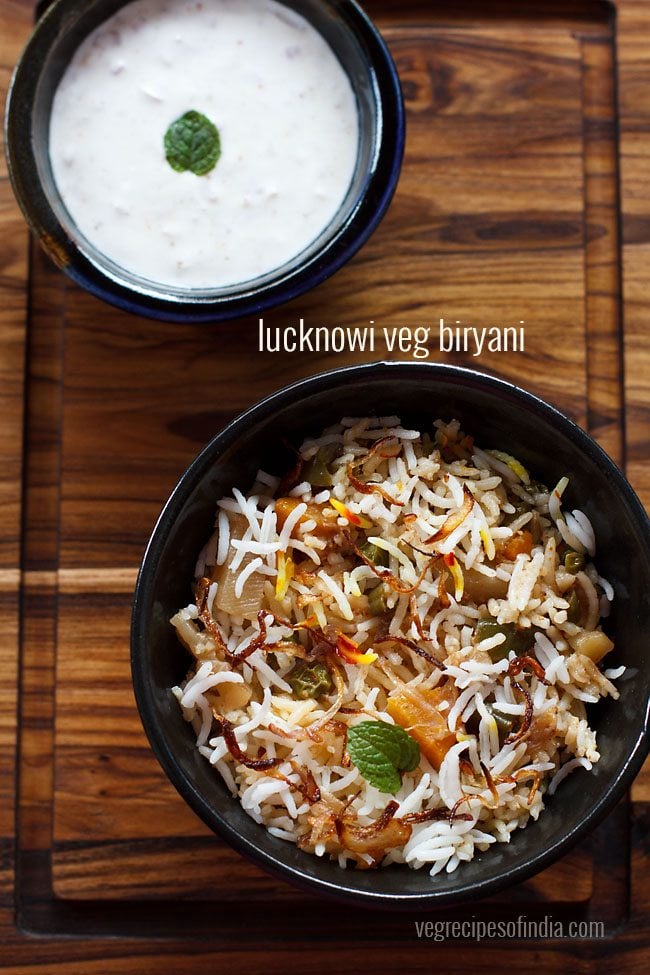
(525, 195)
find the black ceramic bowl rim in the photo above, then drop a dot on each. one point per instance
(266, 408)
(274, 288)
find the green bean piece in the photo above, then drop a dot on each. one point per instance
(574, 612)
(487, 628)
(516, 638)
(310, 680)
(378, 556)
(504, 722)
(377, 600)
(316, 470)
(522, 640)
(574, 562)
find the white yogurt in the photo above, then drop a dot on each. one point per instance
(286, 115)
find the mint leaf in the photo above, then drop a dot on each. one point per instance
(409, 753)
(375, 767)
(192, 142)
(380, 751)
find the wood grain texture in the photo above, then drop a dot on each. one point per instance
(13, 278)
(508, 208)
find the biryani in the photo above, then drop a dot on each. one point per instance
(394, 645)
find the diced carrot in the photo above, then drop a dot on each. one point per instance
(315, 512)
(418, 712)
(521, 543)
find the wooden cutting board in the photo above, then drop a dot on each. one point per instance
(508, 211)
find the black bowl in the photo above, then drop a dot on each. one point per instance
(367, 61)
(498, 414)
